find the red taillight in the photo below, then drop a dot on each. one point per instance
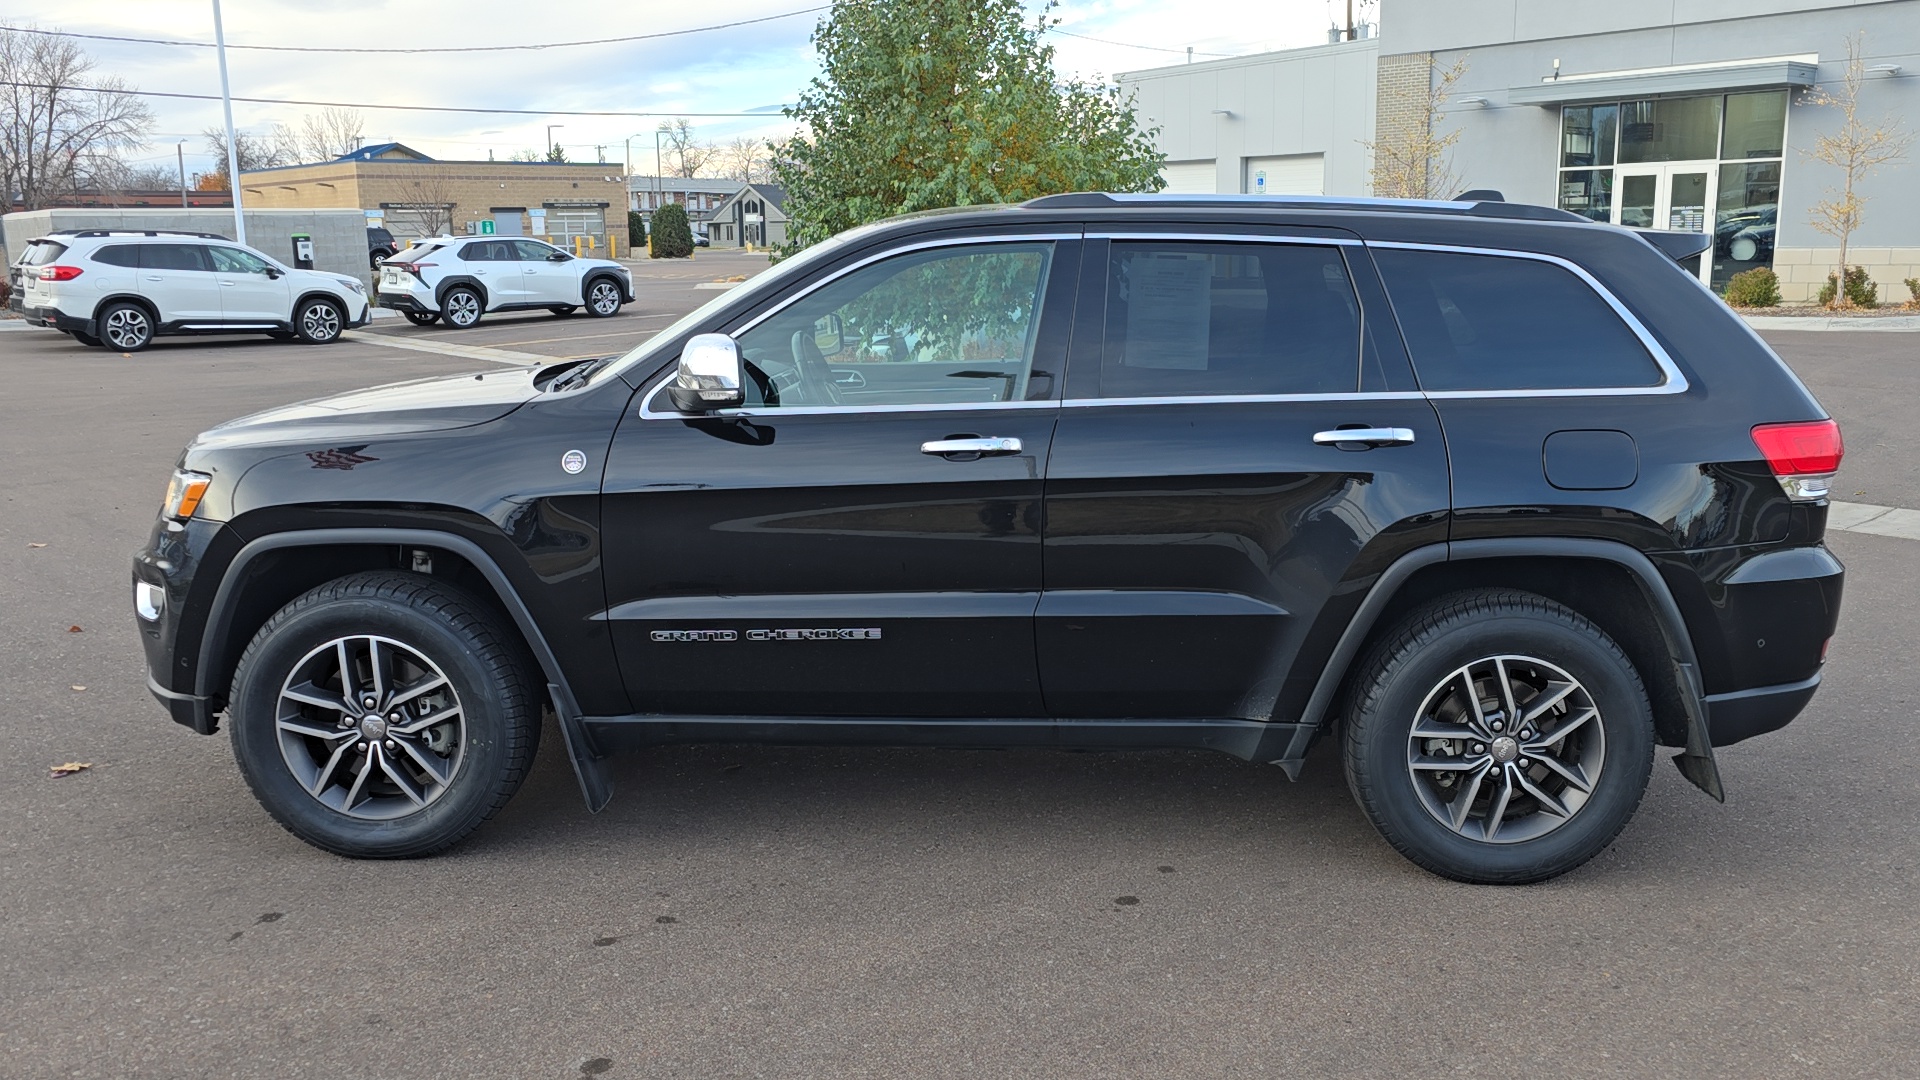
(1811, 448)
(59, 273)
(411, 268)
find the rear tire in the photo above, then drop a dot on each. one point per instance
(562, 310)
(1544, 715)
(461, 307)
(450, 732)
(127, 328)
(422, 318)
(319, 322)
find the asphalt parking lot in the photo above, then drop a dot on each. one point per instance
(767, 912)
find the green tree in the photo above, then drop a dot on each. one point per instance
(636, 230)
(672, 235)
(557, 154)
(924, 104)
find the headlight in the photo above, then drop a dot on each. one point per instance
(184, 493)
(355, 286)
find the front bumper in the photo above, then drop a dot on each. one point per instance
(172, 638)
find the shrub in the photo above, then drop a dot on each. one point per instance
(1758, 287)
(1861, 291)
(636, 230)
(1913, 292)
(672, 235)
(6, 291)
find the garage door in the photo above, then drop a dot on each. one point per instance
(1295, 174)
(564, 223)
(1188, 178)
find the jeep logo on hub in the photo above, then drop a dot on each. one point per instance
(864, 633)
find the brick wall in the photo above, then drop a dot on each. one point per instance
(1803, 271)
(1404, 81)
(474, 188)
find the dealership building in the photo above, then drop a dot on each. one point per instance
(1679, 114)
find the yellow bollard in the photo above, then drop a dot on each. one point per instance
(613, 247)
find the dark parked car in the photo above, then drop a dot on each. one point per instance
(380, 245)
(1491, 494)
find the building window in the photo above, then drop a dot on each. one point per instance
(1614, 165)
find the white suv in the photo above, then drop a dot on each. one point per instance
(121, 288)
(460, 278)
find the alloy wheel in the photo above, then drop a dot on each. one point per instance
(1506, 749)
(127, 328)
(370, 727)
(463, 309)
(320, 321)
(606, 299)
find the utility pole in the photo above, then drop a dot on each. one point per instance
(180, 152)
(226, 102)
(1349, 20)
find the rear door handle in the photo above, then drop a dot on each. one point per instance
(973, 444)
(1366, 438)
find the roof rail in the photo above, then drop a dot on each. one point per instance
(136, 232)
(1087, 200)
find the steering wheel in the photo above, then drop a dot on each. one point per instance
(815, 375)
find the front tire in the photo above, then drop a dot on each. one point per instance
(562, 310)
(383, 715)
(1497, 737)
(126, 327)
(603, 298)
(87, 339)
(319, 322)
(461, 307)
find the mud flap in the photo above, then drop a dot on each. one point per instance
(589, 764)
(1696, 761)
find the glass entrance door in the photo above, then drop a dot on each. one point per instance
(1674, 197)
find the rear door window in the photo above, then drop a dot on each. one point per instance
(174, 257)
(1200, 319)
(1500, 322)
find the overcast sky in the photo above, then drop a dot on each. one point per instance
(746, 69)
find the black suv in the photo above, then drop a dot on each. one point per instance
(1500, 497)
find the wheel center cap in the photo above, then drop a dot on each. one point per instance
(1504, 749)
(373, 727)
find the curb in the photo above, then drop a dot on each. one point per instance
(1885, 324)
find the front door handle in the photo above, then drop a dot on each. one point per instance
(971, 444)
(1364, 438)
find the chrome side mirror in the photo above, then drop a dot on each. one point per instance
(709, 376)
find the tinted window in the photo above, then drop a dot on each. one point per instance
(234, 261)
(1489, 322)
(1194, 319)
(42, 252)
(118, 255)
(949, 325)
(489, 251)
(173, 257)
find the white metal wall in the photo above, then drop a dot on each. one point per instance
(1189, 178)
(1292, 174)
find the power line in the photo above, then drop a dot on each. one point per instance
(1127, 44)
(449, 49)
(368, 105)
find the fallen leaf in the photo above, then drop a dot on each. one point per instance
(74, 630)
(70, 768)
(77, 686)
(36, 545)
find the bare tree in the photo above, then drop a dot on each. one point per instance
(270, 151)
(685, 155)
(333, 132)
(1857, 149)
(55, 119)
(745, 159)
(112, 176)
(1411, 159)
(430, 200)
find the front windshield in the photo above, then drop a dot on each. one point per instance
(643, 354)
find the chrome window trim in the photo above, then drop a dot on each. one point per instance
(1674, 381)
(647, 413)
(1243, 399)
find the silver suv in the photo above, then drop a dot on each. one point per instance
(120, 289)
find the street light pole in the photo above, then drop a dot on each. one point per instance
(550, 128)
(180, 153)
(226, 102)
(657, 132)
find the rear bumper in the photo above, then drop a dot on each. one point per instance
(1746, 713)
(57, 319)
(404, 302)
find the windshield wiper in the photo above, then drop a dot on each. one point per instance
(578, 375)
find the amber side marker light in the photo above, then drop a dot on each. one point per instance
(184, 493)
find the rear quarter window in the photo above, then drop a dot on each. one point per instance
(118, 255)
(1499, 322)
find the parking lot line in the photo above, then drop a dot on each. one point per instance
(445, 348)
